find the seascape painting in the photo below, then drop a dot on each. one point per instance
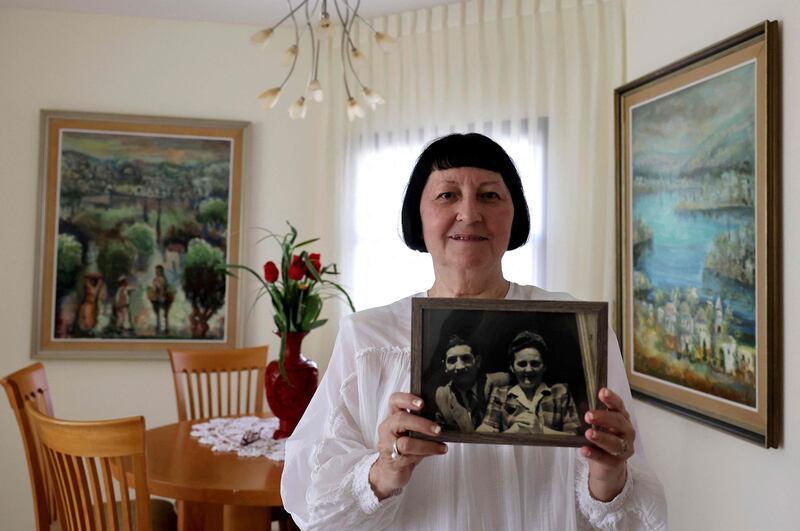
(693, 236)
(141, 236)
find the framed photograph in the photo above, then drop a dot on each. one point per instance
(699, 225)
(137, 216)
(508, 371)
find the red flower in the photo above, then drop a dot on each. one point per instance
(315, 261)
(270, 272)
(295, 272)
(297, 269)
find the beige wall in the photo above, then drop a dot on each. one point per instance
(713, 480)
(126, 65)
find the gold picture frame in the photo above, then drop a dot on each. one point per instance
(698, 155)
(137, 216)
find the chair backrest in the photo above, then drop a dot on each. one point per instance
(23, 386)
(218, 383)
(87, 459)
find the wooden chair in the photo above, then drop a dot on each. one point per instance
(85, 458)
(29, 385)
(219, 383)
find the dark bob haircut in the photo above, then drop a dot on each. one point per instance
(527, 339)
(471, 150)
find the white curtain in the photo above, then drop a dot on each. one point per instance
(526, 72)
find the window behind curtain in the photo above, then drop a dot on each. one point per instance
(381, 269)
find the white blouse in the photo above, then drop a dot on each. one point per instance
(473, 486)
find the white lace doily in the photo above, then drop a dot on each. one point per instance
(226, 435)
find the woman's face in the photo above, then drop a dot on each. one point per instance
(466, 217)
(528, 367)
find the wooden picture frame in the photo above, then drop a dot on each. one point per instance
(698, 163)
(535, 369)
(137, 213)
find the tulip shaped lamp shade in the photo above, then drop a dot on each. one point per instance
(315, 22)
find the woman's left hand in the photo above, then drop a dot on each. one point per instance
(613, 436)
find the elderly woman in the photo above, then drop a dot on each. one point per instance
(351, 465)
(530, 406)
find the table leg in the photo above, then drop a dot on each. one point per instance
(246, 518)
(194, 516)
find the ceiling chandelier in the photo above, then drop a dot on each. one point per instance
(313, 19)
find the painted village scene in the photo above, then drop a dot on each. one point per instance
(142, 237)
(693, 236)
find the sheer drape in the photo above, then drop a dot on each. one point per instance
(501, 67)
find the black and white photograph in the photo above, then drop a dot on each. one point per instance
(508, 372)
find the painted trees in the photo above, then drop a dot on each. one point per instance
(203, 284)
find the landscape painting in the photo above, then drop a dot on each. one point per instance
(141, 220)
(693, 160)
(699, 314)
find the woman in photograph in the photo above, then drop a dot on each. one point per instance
(530, 406)
(350, 463)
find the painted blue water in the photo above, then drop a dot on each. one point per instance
(680, 244)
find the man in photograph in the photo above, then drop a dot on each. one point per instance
(462, 400)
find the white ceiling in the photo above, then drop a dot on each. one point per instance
(251, 12)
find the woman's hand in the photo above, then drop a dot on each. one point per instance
(399, 454)
(613, 436)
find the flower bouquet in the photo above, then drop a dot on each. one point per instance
(298, 290)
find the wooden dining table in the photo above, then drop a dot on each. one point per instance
(214, 490)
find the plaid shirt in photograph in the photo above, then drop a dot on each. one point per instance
(552, 406)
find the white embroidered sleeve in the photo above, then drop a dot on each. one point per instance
(640, 506)
(363, 492)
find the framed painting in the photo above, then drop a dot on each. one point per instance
(699, 226)
(137, 216)
(508, 371)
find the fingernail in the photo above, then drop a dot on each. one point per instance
(606, 393)
(436, 429)
(417, 402)
(589, 417)
(587, 453)
(444, 449)
(592, 434)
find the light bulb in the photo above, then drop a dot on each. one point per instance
(385, 41)
(314, 90)
(325, 27)
(298, 109)
(357, 55)
(270, 97)
(373, 98)
(262, 36)
(289, 55)
(354, 110)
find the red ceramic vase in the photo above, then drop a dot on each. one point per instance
(288, 400)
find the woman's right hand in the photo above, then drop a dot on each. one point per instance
(391, 472)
